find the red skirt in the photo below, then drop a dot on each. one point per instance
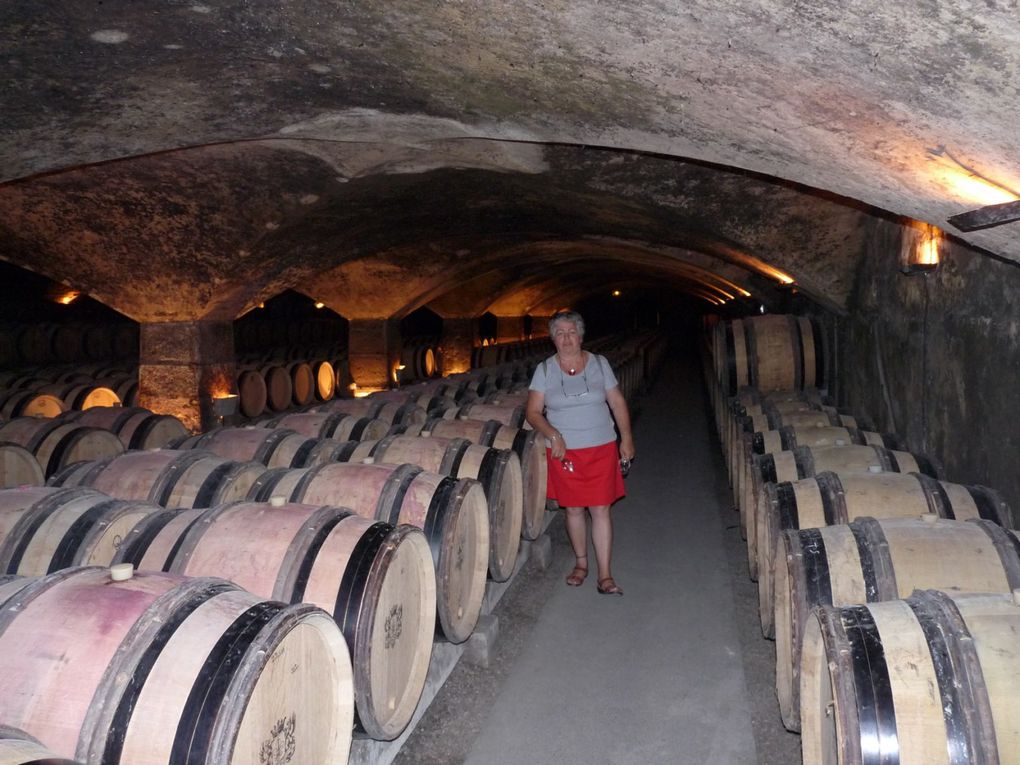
(595, 480)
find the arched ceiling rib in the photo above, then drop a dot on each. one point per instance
(207, 233)
(868, 99)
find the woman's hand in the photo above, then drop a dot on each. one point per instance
(557, 445)
(627, 448)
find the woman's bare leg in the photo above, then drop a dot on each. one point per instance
(602, 539)
(577, 532)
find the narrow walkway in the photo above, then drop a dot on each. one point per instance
(657, 676)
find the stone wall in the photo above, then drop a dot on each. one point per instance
(936, 358)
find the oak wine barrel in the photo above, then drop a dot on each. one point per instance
(392, 412)
(77, 395)
(807, 461)
(526, 444)
(272, 447)
(325, 380)
(252, 393)
(45, 529)
(930, 680)
(452, 512)
(510, 415)
(136, 427)
(341, 426)
(166, 477)
(56, 443)
(377, 580)
(872, 560)
(498, 470)
(159, 668)
(830, 499)
(302, 382)
(19, 467)
(29, 403)
(279, 387)
(771, 352)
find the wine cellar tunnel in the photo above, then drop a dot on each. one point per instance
(193, 191)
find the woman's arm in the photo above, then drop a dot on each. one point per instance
(618, 405)
(533, 414)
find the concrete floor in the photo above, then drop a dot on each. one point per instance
(676, 671)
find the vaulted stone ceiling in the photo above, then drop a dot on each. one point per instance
(183, 160)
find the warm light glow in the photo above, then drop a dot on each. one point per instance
(401, 366)
(262, 305)
(320, 305)
(616, 293)
(926, 247)
(965, 183)
(68, 297)
(778, 275)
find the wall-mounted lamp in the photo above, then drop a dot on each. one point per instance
(225, 405)
(922, 248)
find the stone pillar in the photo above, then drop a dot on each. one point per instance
(509, 329)
(457, 342)
(374, 352)
(183, 365)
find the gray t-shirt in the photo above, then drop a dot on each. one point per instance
(576, 404)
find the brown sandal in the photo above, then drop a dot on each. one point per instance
(577, 576)
(609, 589)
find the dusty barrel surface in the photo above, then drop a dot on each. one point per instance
(808, 461)
(272, 447)
(19, 467)
(380, 408)
(376, 580)
(342, 426)
(45, 529)
(509, 415)
(871, 561)
(832, 498)
(56, 443)
(252, 393)
(452, 512)
(498, 470)
(166, 477)
(930, 679)
(526, 444)
(772, 352)
(159, 668)
(77, 395)
(137, 428)
(18, 748)
(29, 403)
(747, 481)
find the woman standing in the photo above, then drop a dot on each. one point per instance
(571, 396)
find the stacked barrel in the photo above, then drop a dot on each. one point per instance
(893, 594)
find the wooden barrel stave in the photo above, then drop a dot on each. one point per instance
(376, 580)
(935, 678)
(498, 471)
(108, 633)
(451, 512)
(833, 498)
(19, 467)
(47, 529)
(832, 566)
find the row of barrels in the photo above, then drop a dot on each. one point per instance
(51, 343)
(266, 544)
(888, 589)
(50, 391)
(33, 449)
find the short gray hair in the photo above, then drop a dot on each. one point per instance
(572, 316)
